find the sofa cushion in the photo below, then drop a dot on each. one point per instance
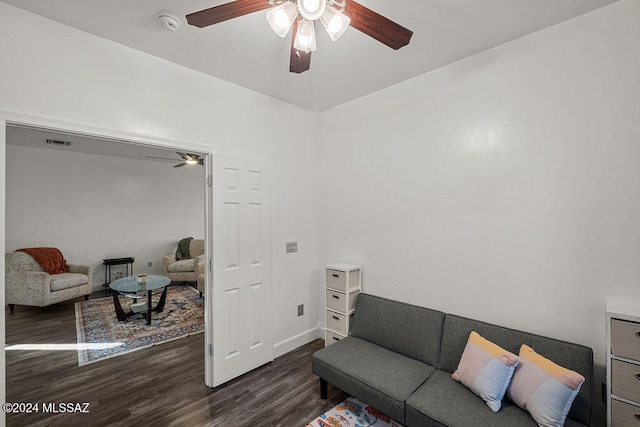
(543, 388)
(182, 266)
(404, 328)
(380, 377)
(456, 330)
(486, 369)
(196, 248)
(443, 401)
(67, 280)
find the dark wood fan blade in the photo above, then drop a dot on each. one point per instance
(179, 165)
(377, 26)
(300, 61)
(226, 11)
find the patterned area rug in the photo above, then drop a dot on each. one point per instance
(353, 413)
(101, 335)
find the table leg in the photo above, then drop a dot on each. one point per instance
(119, 310)
(161, 301)
(107, 271)
(148, 307)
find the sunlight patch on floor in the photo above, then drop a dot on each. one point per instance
(74, 346)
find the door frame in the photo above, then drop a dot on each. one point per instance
(17, 119)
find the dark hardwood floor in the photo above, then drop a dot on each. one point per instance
(160, 386)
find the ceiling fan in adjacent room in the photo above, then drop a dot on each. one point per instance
(187, 159)
(335, 16)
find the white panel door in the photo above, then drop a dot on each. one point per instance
(241, 268)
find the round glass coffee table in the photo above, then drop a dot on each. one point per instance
(134, 287)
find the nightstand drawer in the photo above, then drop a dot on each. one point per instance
(343, 280)
(340, 301)
(337, 322)
(625, 339)
(625, 380)
(624, 415)
(332, 337)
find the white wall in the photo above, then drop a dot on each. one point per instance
(53, 71)
(504, 187)
(94, 207)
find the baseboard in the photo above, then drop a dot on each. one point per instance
(294, 342)
(99, 287)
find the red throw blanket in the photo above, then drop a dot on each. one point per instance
(50, 259)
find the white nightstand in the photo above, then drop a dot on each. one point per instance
(623, 365)
(343, 284)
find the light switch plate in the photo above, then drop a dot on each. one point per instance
(292, 247)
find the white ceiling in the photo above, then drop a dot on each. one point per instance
(246, 52)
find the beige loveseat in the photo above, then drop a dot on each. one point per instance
(186, 270)
(26, 283)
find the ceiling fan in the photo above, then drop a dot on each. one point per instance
(335, 15)
(187, 159)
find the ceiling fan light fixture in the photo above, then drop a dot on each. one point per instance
(312, 9)
(281, 17)
(335, 22)
(305, 37)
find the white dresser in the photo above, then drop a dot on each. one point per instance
(343, 284)
(623, 365)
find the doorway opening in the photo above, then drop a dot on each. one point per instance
(110, 194)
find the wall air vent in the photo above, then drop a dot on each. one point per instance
(58, 142)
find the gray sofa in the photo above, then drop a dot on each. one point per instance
(399, 359)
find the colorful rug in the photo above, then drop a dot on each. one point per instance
(101, 335)
(353, 413)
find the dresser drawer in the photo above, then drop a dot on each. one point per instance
(337, 322)
(624, 415)
(340, 301)
(625, 380)
(331, 337)
(343, 280)
(625, 339)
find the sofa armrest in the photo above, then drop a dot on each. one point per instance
(81, 269)
(166, 261)
(200, 267)
(27, 287)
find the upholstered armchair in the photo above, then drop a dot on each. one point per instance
(201, 277)
(26, 282)
(186, 270)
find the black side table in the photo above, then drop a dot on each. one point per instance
(127, 262)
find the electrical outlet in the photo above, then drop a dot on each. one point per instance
(300, 309)
(292, 247)
(149, 264)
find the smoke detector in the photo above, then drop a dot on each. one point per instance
(168, 20)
